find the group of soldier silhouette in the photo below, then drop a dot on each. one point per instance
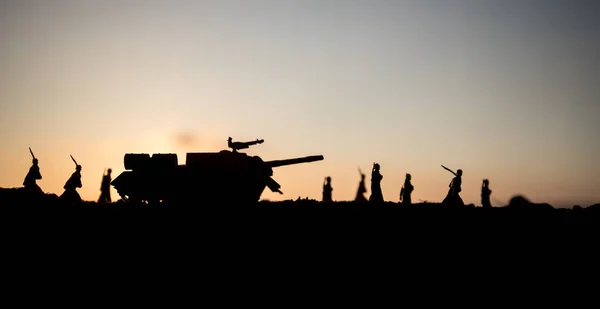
(452, 198)
(70, 195)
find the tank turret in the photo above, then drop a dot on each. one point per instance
(224, 176)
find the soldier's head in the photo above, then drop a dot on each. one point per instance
(376, 166)
(486, 182)
(109, 171)
(459, 172)
(35, 161)
(408, 176)
(78, 167)
(328, 179)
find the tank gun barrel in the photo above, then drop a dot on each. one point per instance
(277, 163)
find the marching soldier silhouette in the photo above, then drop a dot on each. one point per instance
(406, 190)
(327, 190)
(105, 188)
(376, 177)
(485, 194)
(32, 176)
(362, 189)
(453, 197)
(70, 195)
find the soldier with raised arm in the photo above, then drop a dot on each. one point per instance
(453, 197)
(32, 176)
(71, 195)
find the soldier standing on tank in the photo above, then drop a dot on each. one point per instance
(30, 180)
(406, 191)
(485, 194)
(362, 189)
(453, 197)
(105, 188)
(327, 190)
(74, 182)
(376, 177)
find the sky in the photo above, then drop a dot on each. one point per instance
(505, 90)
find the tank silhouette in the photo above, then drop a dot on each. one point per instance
(224, 176)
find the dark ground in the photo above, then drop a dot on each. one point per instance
(356, 244)
(296, 216)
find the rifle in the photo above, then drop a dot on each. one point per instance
(449, 170)
(102, 181)
(31, 152)
(74, 160)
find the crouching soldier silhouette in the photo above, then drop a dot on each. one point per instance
(406, 190)
(71, 195)
(453, 198)
(32, 176)
(105, 188)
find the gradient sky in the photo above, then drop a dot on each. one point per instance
(506, 90)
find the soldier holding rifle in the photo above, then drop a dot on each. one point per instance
(455, 187)
(33, 175)
(74, 182)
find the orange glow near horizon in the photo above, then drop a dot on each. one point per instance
(503, 91)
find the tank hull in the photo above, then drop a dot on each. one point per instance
(207, 177)
(190, 185)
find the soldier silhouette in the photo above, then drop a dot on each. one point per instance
(376, 177)
(105, 188)
(327, 190)
(485, 194)
(34, 174)
(70, 195)
(453, 197)
(406, 191)
(362, 189)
